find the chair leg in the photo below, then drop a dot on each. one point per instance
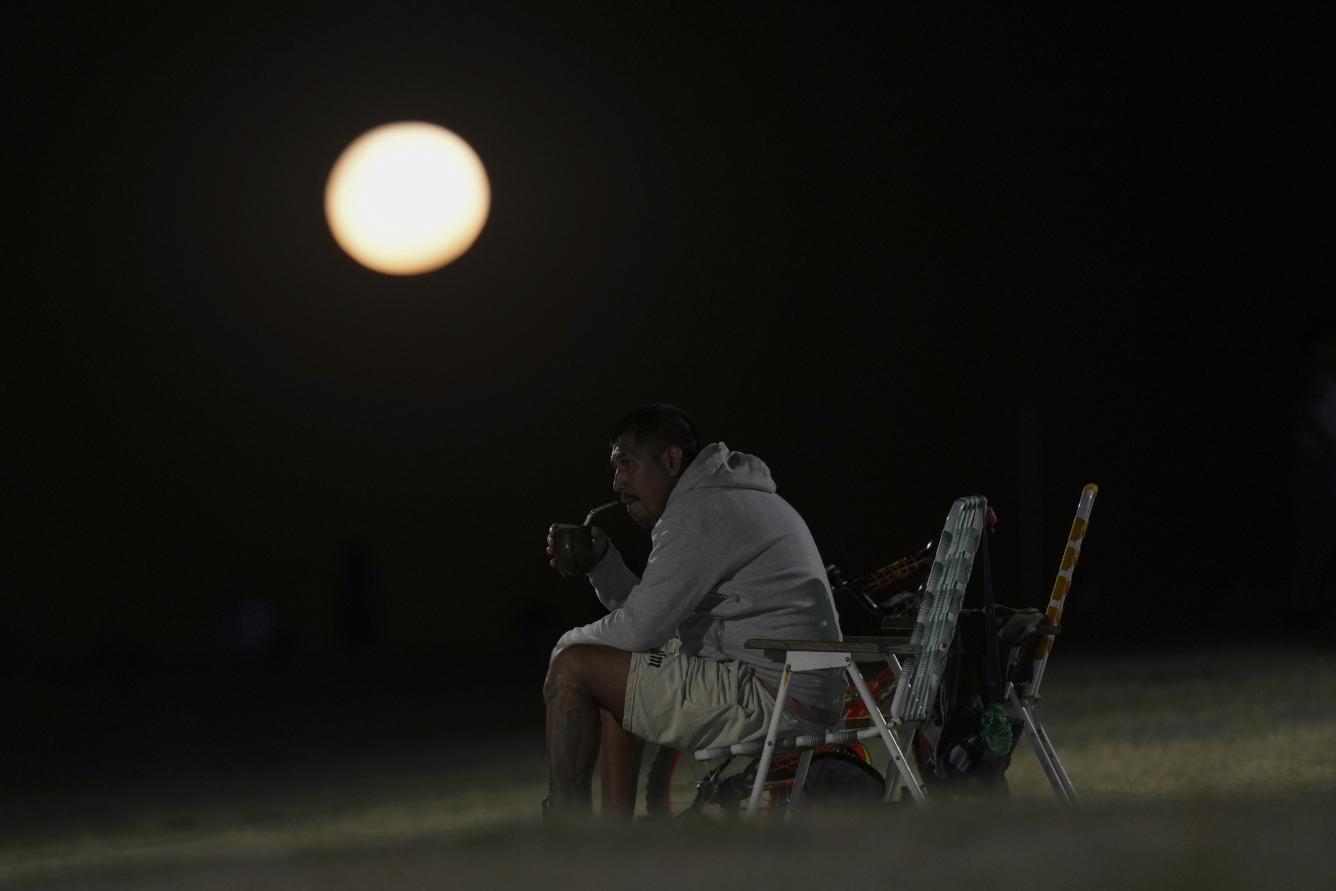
(1045, 752)
(768, 753)
(893, 779)
(798, 782)
(1059, 771)
(898, 760)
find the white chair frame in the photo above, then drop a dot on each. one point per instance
(916, 684)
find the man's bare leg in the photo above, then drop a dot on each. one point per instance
(621, 769)
(582, 680)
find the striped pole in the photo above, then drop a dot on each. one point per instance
(1062, 584)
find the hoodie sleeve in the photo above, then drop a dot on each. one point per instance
(684, 565)
(611, 579)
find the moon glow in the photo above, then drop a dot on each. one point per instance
(407, 198)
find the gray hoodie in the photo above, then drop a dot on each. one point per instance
(731, 561)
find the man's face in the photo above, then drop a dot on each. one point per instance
(644, 479)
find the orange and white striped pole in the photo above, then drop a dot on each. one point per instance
(1062, 584)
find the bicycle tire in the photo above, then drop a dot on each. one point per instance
(660, 802)
(841, 780)
(658, 797)
(661, 781)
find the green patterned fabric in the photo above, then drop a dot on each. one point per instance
(995, 730)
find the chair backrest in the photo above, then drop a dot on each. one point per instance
(939, 608)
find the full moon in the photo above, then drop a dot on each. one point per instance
(407, 198)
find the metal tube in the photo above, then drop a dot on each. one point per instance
(892, 745)
(798, 781)
(768, 753)
(589, 517)
(1044, 753)
(1059, 771)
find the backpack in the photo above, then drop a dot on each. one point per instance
(976, 738)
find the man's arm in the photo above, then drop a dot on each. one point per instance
(684, 565)
(611, 579)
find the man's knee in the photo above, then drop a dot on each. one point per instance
(569, 669)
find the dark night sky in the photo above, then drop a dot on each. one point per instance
(901, 259)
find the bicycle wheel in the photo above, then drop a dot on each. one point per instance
(838, 780)
(681, 788)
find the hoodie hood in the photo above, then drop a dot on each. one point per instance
(716, 467)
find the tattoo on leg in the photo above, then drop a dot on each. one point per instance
(572, 745)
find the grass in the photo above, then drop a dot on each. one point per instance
(1191, 725)
(1197, 768)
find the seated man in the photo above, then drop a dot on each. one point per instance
(730, 561)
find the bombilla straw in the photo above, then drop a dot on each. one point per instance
(589, 518)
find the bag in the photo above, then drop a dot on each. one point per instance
(974, 750)
(977, 738)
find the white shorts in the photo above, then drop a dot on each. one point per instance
(688, 703)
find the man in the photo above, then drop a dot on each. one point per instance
(730, 561)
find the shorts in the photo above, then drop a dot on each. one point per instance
(689, 703)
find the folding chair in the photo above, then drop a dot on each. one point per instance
(916, 683)
(1022, 701)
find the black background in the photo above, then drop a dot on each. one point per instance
(901, 258)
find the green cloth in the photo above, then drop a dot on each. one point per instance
(995, 729)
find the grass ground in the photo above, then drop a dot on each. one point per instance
(1204, 768)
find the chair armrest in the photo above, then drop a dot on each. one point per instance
(877, 646)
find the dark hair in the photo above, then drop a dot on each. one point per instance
(659, 426)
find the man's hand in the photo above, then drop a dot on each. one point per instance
(575, 549)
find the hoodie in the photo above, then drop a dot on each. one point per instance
(731, 561)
